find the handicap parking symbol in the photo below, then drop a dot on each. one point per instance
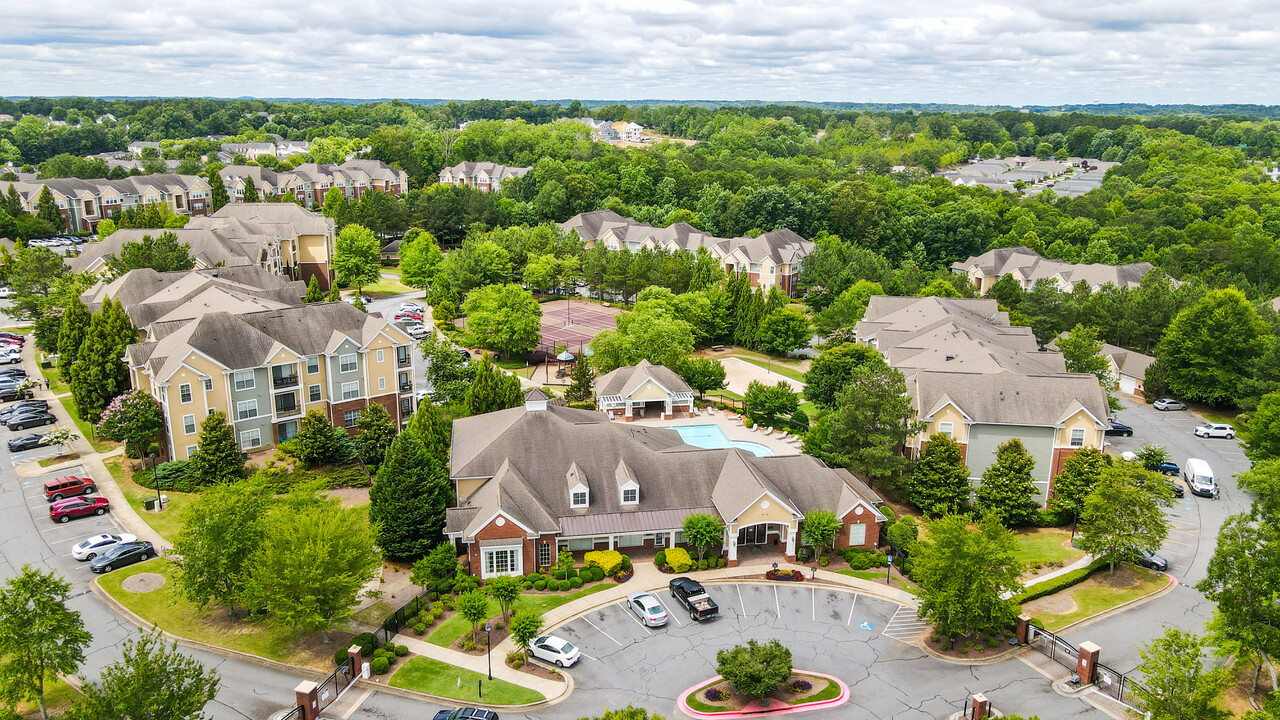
(865, 626)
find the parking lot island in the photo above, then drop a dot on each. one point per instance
(815, 696)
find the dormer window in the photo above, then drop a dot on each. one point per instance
(579, 497)
(630, 496)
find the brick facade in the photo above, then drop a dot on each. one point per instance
(337, 413)
(507, 530)
(872, 540)
(321, 272)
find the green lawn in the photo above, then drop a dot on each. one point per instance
(56, 459)
(167, 523)
(1041, 547)
(86, 430)
(56, 385)
(374, 614)
(877, 576)
(387, 286)
(436, 678)
(167, 608)
(1094, 596)
(456, 626)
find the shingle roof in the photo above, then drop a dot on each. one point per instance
(625, 380)
(205, 246)
(1131, 363)
(781, 246)
(1006, 397)
(1032, 267)
(148, 295)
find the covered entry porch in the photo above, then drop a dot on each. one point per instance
(758, 541)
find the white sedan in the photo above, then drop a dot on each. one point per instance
(557, 651)
(647, 608)
(1215, 430)
(92, 547)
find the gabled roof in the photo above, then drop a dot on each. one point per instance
(1008, 398)
(206, 247)
(1128, 362)
(780, 246)
(626, 380)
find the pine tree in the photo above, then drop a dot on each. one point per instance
(492, 390)
(217, 459)
(47, 210)
(314, 293)
(432, 428)
(375, 433)
(1008, 486)
(401, 503)
(12, 201)
(98, 374)
(334, 295)
(250, 190)
(75, 324)
(218, 191)
(940, 483)
(580, 389)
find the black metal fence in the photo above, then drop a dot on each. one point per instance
(292, 714)
(1115, 683)
(1053, 647)
(331, 687)
(398, 619)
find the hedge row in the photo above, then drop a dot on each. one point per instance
(1062, 582)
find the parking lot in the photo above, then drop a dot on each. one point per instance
(859, 638)
(59, 537)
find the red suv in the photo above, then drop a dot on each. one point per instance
(69, 486)
(63, 510)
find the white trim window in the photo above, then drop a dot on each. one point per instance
(208, 384)
(350, 417)
(191, 450)
(857, 535)
(184, 393)
(350, 391)
(244, 380)
(189, 424)
(579, 496)
(313, 393)
(1077, 437)
(313, 364)
(250, 439)
(544, 555)
(502, 561)
(631, 494)
(347, 363)
(948, 429)
(246, 409)
(379, 354)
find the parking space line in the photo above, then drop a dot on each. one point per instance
(777, 607)
(632, 615)
(669, 613)
(740, 600)
(615, 642)
(852, 605)
(813, 604)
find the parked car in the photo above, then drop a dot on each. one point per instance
(64, 510)
(13, 392)
(10, 358)
(647, 608)
(25, 442)
(466, 713)
(1215, 430)
(22, 421)
(363, 298)
(27, 405)
(417, 330)
(92, 547)
(409, 307)
(1169, 404)
(1198, 476)
(1115, 427)
(691, 594)
(1149, 559)
(1165, 468)
(13, 374)
(557, 651)
(6, 293)
(125, 553)
(69, 486)
(13, 336)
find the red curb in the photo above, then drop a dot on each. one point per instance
(840, 699)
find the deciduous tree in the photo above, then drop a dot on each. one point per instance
(1210, 348)
(870, 420)
(1175, 683)
(819, 530)
(1080, 473)
(40, 637)
(504, 318)
(135, 419)
(1120, 520)
(473, 606)
(831, 371)
(703, 374)
(525, 627)
(152, 681)
(162, 253)
(966, 576)
(784, 330)
(702, 530)
(221, 530)
(505, 589)
(1261, 434)
(755, 669)
(356, 258)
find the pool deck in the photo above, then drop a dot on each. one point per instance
(732, 427)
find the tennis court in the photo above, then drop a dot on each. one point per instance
(573, 324)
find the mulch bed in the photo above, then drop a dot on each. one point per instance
(736, 700)
(500, 633)
(979, 647)
(532, 668)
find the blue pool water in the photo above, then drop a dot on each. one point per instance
(711, 436)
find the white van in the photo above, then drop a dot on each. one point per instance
(1199, 477)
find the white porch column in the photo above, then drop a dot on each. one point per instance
(791, 540)
(667, 407)
(731, 538)
(612, 538)
(671, 541)
(628, 407)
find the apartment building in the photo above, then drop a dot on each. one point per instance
(282, 238)
(267, 369)
(149, 296)
(85, 203)
(1028, 267)
(770, 260)
(977, 379)
(482, 176)
(309, 182)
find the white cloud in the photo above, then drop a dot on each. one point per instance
(992, 51)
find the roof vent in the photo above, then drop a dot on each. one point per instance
(950, 358)
(535, 401)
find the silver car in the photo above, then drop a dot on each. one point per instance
(1169, 404)
(647, 608)
(1215, 430)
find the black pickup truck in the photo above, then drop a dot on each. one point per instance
(690, 593)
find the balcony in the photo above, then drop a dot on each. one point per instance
(287, 406)
(406, 388)
(403, 360)
(279, 382)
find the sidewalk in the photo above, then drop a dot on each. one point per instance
(550, 689)
(1082, 562)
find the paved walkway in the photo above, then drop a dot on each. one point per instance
(1082, 562)
(739, 373)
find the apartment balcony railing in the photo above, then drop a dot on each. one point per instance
(284, 381)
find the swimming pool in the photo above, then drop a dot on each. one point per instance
(711, 436)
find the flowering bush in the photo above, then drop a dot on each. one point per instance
(784, 575)
(678, 560)
(800, 686)
(623, 576)
(134, 418)
(608, 560)
(715, 695)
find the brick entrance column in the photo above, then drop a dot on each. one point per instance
(981, 707)
(308, 697)
(1087, 664)
(1024, 626)
(353, 653)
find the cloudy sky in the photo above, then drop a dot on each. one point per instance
(994, 52)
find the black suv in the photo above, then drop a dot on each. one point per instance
(1115, 427)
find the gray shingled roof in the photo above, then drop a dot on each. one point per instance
(625, 380)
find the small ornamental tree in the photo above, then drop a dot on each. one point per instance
(765, 403)
(434, 566)
(755, 670)
(473, 606)
(819, 531)
(966, 576)
(580, 389)
(702, 530)
(320, 443)
(314, 293)
(374, 433)
(217, 458)
(60, 438)
(1008, 486)
(134, 418)
(525, 626)
(505, 589)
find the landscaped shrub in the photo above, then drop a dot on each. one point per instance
(540, 585)
(800, 686)
(678, 560)
(402, 650)
(558, 574)
(575, 582)
(803, 554)
(626, 563)
(367, 641)
(420, 628)
(447, 602)
(702, 564)
(1063, 581)
(623, 576)
(566, 584)
(526, 585)
(598, 574)
(608, 560)
(660, 558)
(824, 561)
(860, 558)
(379, 666)
(515, 659)
(340, 656)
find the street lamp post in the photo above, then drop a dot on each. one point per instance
(488, 643)
(155, 481)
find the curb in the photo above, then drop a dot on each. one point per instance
(683, 705)
(370, 684)
(1170, 583)
(132, 617)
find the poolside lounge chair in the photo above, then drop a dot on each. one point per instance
(768, 431)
